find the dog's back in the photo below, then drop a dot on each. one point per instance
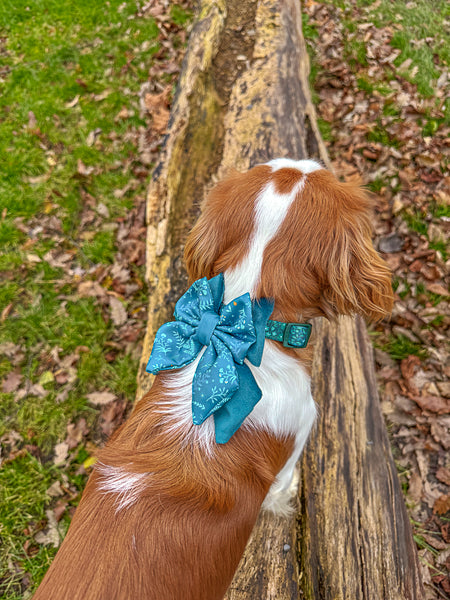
(167, 511)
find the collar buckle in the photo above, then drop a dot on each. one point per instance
(306, 331)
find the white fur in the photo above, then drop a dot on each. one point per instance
(305, 166)
(116, 480)
(270, 211)
(178, 408)
(286, 407)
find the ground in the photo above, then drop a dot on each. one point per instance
(84, 103)
(380, 79)
(85, 95)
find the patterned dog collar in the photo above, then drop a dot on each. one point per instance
(232, 335)
(293, 335)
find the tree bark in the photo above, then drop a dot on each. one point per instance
(243, 98)
(355, 539)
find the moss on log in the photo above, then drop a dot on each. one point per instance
(243, 98)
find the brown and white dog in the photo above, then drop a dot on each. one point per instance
(167, 512)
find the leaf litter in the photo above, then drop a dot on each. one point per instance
(113, 284)
(380, 128)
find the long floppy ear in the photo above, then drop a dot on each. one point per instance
(202, 248)
(359, 281)
(221, 236)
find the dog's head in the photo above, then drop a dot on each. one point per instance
(289, 230)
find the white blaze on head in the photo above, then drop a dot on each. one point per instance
(305, 166)
(270, 211)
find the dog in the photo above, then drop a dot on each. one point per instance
(169, 507)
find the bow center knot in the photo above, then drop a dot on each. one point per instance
(206, 327)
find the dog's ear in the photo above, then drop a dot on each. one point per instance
(202, 248)
(358, 280)
(221, 236)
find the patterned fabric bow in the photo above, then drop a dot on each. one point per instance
(223, 385)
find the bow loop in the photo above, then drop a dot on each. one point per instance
(207, 325)
(231, 333)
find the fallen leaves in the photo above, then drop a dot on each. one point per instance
(76, 433)
(118, 313)
(61, 452)
(157, 106)
(100, 398)
(83, 170)
(50, 536)
(434, 404)
(12, 382)
(380, 127)
(72, 103)
(442, 505)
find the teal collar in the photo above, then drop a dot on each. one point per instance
(224, 338)
(293, 335)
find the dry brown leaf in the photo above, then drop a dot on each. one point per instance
(156, 105)
(437, 288)
(444, 388)
(435, 542)
(118, 313)
(415, 487)
(112, 416)
(443, 474)
(442, 505)
(123, 114)
(76, 433)
(55, 489)
(83, 170)
(434, 404)
(6, 312)
(35, 389)
(73, 102)
(409, 365)
(11, 382)
(91, 289)
(441, 434)
(100, 398)
(102, 95)
(61, 453)
(51, 536)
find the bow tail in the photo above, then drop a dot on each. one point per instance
(229, 417)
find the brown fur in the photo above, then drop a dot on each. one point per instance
(322, 262)
(185, 534)
(221, 236)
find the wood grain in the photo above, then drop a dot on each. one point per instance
(243, 98)
(353, 514)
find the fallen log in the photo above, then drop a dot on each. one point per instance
(242, 99)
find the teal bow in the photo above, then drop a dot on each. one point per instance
(223, 385)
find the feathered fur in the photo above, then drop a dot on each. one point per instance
(166, 513)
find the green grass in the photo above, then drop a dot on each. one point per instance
(309, 29)
(67, 70)
(419, 220)
(179, 15)
(23, 498)
(325, 129)
(420, 32)
(23, 501)
(400, 347)
(379, 135)
(416, 220)
(420, 36)
(54, 57)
